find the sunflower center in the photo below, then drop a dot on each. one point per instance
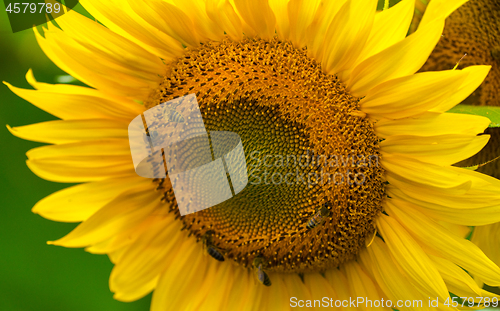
(306, 146)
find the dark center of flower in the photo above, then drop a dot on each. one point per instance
(306, 146)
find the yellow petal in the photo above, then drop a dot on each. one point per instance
(405, 173)
(104, 43)
(118, 103)
(81, 107)
(239, 296)
(108, 147)
(433, 123)
(125, 238)
(301, 14)
(389, 27)
(200, 283)
(168, 19)
(125, 211)
(219, 292)
(279, 8)
(82, 161)
(119, 17)
(147, 259)
(389, 277)
(258, 15)
(486, 237)
(456, 277)
(411, 258)
(316, 31)
(439, 9)
(223, 14)
(347, 35)
(361, 286)
(402, 59)
(90, 75)
(411, 95)
(68, 131)
(476, 76)
(440, 150)
(78, 203)
(319, 286)
(296, 288)
(454, 211)
(203, 26)
(338, 281)
(458, 250)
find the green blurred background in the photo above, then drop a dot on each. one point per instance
(34, 275)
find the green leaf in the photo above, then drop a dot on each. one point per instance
(492, 113)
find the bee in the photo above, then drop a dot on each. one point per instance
(149, 136)
(173, 115)
(210, 248)
(319, 217)
(258, 268)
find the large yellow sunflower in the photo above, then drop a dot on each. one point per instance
(335, 78)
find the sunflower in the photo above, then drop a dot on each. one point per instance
(310, 79)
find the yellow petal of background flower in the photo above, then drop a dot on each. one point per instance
(440, 150)
(119, 17)
(258, 15)
(433, 123)
(123, 212)
(411, 95)
(431, 235)
(411, 258)
(68, 131)
(401, 59)
(347, 35)
(78, 203)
